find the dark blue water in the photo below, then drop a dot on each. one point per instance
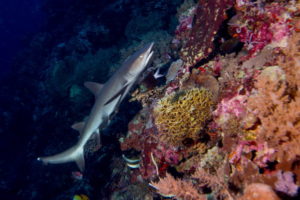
(18, 21)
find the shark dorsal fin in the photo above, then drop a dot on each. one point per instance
(93, 87)
(78, 126)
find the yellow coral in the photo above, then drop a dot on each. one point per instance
(181, 115)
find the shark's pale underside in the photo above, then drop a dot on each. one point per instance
(107, 99)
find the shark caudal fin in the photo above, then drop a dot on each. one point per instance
(73, 154)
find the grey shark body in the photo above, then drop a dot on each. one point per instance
(107, 99)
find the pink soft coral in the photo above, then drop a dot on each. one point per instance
(230, 107)
(278, 113)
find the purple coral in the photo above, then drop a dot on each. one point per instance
(285, 183)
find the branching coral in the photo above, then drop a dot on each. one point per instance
(171, 187)
(216, 182)
(181, 115)
(290, 62)
(277, 112)
(186, 189)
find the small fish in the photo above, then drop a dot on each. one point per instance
(80, 197)
(157, 75)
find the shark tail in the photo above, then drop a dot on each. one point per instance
(73, 154)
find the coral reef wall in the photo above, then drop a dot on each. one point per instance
(241, 141)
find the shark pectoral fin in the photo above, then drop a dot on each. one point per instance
(79, 159)
(78, 126)
(93, 87)
(117, 95)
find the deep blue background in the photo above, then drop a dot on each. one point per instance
(19, 19)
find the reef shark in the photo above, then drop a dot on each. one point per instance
(108, 97)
